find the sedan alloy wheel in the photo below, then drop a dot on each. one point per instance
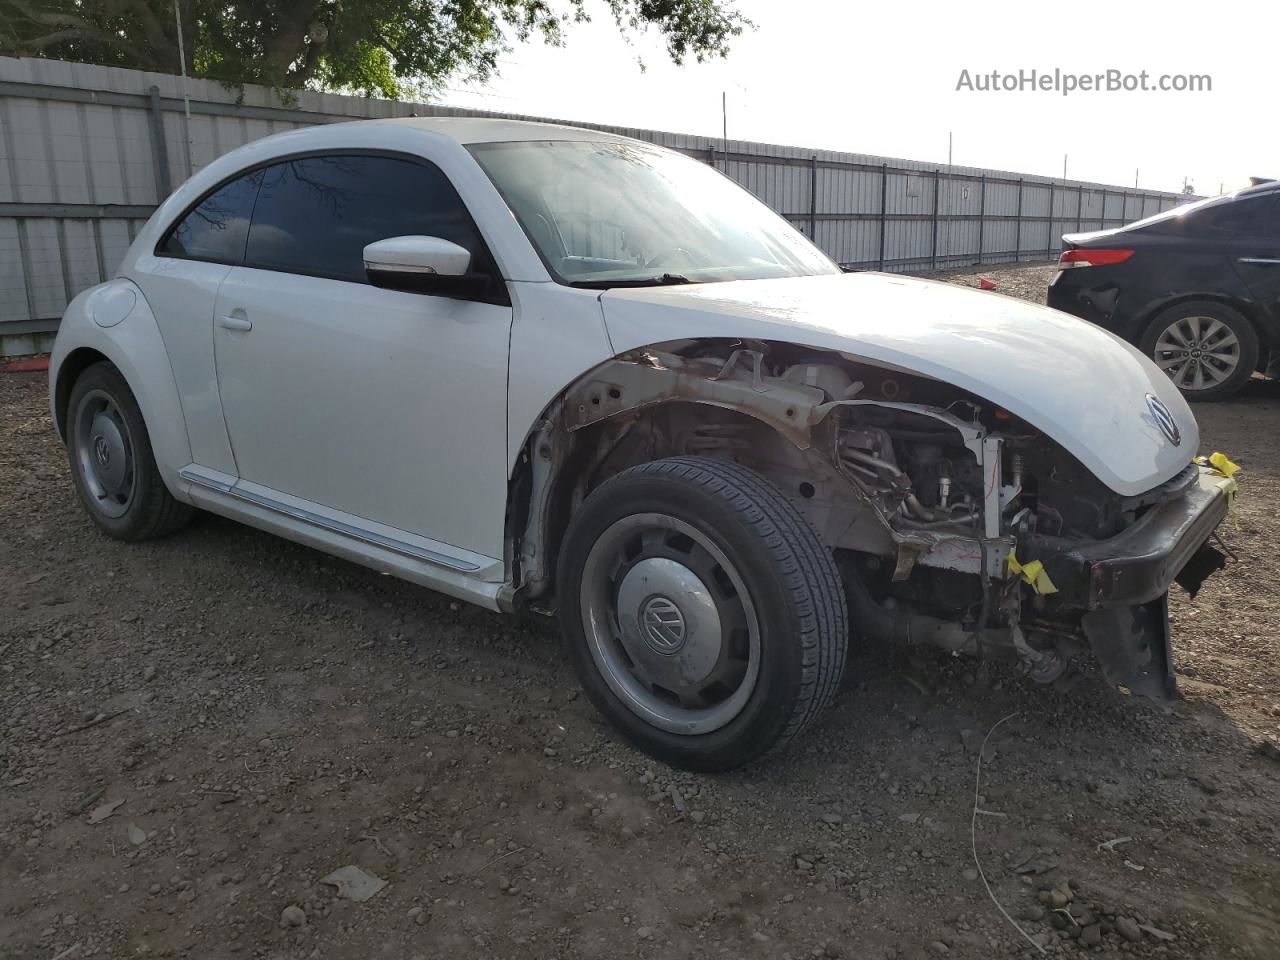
(1198, 353)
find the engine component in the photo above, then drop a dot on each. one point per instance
(913, 469)
(1042, 666)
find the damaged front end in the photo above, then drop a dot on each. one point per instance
(958, 524)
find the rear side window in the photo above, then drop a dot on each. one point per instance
(1243, 214)
(1263, 219)
(1220, 219)
(217, 227)
(315, 215)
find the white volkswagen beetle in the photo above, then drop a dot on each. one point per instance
(537, 367)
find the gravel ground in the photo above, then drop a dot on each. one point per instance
(1028, 282)
(195, 731)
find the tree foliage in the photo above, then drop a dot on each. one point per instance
(377, 47)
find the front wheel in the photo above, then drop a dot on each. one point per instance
(111, 460)
(702, 613)
(1208, 349)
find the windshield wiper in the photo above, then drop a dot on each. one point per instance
(666, 280)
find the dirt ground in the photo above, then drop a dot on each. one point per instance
(242, 716)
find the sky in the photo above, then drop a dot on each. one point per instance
(882, 79)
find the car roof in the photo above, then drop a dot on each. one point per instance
(466, 130)
(1267, 186)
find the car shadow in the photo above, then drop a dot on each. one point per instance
(1258, 390)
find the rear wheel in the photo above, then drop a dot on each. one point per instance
(111, 460)
(1208, 349)
(702, 613)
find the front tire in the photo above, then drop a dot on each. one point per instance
(1209, 350)
(703, 615)
(111, 461)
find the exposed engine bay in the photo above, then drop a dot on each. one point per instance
(957, 524)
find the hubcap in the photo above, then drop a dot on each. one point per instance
(670, 624)
(1198, 353)
(104, 451)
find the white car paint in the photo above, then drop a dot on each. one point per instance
(228, 408)
(391, 441)
(557, 334)
(134, 345)
(384, 404)
(418, 254)
(1079, 384)
(181, 294)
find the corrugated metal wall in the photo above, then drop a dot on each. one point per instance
(86, 152)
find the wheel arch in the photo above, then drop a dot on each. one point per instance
(75, 363)
(1268, 339)
(640, 406)
(132, 343)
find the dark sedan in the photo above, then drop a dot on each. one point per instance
(1196, 288)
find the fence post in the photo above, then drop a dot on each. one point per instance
(982, 215)
(933, 250)
(159, 149)
(1017, 246)
(1079, 206)
(813, 199)
(884, 208)
(1048, 238)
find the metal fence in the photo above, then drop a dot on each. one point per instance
(86, 153)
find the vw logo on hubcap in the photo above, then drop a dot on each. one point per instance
(662, 624)
(1164, 419)
(102, 450)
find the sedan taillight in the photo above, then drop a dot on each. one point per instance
(1092, 258)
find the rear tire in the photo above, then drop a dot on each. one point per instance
(703, 615)
(1209, 350)
(111, 461)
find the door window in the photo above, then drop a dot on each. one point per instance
(217, 227)
(315, 215)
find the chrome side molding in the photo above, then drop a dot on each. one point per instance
(327, 523)
(195, 475)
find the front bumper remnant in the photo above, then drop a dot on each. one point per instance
(1123, 582)
(1138, 565)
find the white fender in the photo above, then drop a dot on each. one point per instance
(115, 320)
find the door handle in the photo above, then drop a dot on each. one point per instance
(1262, 261)
(236, 323)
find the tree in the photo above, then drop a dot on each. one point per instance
(376, 47)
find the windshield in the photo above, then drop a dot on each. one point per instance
(605, 214)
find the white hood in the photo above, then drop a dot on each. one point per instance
(1080, 385)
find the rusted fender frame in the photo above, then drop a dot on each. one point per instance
(626, 384)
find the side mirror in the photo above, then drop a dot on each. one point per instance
(422, 265)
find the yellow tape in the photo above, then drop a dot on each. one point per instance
(1221, 463)
(1230, 488)
(1224, 467)
(1033, 573)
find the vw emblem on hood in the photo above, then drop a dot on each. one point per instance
(1164, 419)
